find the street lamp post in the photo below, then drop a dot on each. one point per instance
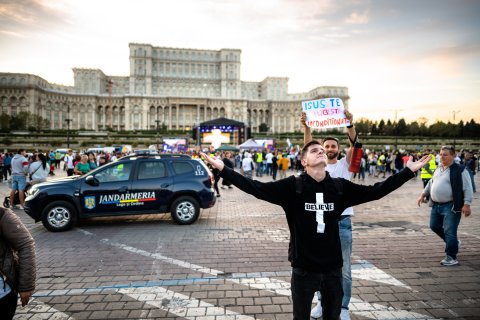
(396, 127)
(455, 131)
(68, 120)
(158, 131)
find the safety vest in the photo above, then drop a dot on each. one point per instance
(433, 165)
(381, 160)
(259, 157)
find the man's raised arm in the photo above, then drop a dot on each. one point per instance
(352, 134)
(307, 132)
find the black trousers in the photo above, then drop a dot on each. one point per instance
(304, 285)
(215, 185)
(8, 305)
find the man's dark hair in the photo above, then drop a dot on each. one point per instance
(305, 147)
(331, 138)
(20, 151)
(451, 149)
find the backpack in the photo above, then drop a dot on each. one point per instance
(299, 184)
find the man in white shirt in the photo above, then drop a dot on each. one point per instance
(268, 158)
(247, 165)
(68, 159)
(338, 169)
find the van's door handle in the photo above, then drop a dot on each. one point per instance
(123, 189)
(164, 185)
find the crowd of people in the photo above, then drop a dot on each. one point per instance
(320, 244)
(375, 164)
(321, 260)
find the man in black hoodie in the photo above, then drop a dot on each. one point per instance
(312, 216)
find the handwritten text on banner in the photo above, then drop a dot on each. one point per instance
(325, 113)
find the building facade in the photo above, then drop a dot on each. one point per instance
(173, 87)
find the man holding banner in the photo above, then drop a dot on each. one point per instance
(333, 114)
(312, 215)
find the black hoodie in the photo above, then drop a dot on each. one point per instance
(312, 248)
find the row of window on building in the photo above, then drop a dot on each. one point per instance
(186, 55)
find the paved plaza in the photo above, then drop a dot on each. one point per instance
(232, 264)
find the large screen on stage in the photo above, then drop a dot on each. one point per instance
(268, 143)
(174, 145)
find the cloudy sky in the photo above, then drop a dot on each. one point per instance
(419, 58)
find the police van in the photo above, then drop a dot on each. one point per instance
(136, 184)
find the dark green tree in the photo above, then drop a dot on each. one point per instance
(374, 129)
(389, 128)
(401, 128)
(381, 127)
(471, 129)
(363, 126)
(413, 129)
(4, 122)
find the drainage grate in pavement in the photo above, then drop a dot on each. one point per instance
(399, 226)
(426, 275)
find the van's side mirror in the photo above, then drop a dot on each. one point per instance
(91, 180)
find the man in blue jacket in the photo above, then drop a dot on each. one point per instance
(312, 216)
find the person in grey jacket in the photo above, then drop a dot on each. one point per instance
(17, 263)
(19, 177)
(450, 194)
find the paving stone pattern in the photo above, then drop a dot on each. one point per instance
(232, 264)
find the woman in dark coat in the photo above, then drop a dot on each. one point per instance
(228, 160)
(15, 279)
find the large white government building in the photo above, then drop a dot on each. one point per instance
(173, 87)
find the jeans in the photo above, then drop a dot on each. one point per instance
(19, 183)
(8, 305)
(269, 169)
(7, 170)
(472, 177)
(345, 228)
(259, 169)
(444, 222)
(248, 174)
(305, 283)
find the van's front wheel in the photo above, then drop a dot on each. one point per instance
(59, 216)
(185, 210)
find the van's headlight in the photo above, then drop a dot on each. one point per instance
(32, 192)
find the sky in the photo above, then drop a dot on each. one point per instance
(411, 59)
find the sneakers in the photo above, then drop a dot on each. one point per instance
(448, 261)
(317, 311)
(19, 206)
(344, 315)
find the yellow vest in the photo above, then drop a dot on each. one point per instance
(424, 173)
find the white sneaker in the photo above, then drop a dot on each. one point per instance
(317, 311)
(20, 207)
(449, 261)
(344, 315)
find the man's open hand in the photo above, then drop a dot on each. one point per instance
(216, 163)
(416, 165)
(303, 119)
